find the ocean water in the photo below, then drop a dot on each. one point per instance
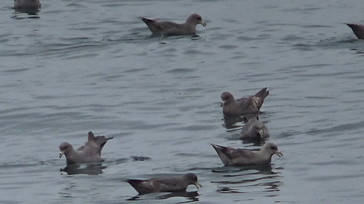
(91, 65)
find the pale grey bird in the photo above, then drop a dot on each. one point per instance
(165, 184)
(254, 129)
(98, 141)
(240, 157)
(243, 106)
(168, 28)
(89, 153)
(358, 30)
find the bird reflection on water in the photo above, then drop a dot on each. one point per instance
(254, 175)
(89, 169)
(191, 196)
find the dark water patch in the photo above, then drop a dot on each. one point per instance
(67, 50)
(235, 133)
(16, 116)
(193, 128)
(229, 20)
(196, 88)
(302, 10)
(140, 158)
(336, 129)
(288, 133)
(180, 70)
(167, 52)
(341, 177)
(339, 42)
(359, 51)
(303, 47)
(9, 201)
(316, 26)
(270, 30)
(132, 70)
(17, 53)
(77, 5)
(345, 40)
(16, 70)
(194, 52)
(334, 162)
(292, 37)
(309, 66)
(264, 36)
(188, 108)
(249, 38)
(100, 108)
(112, 162)
(215, 28)
(114, 77)
(278, 24)
(116, 4)
(82, 56)
(221, 36)
(19, 165)
(321, 97)
(228, 47)
(236, 56)
(202, 111)
(226, 189)
(141, 125)
(357, 90)
(184, 154)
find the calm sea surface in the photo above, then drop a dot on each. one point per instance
(90, 65)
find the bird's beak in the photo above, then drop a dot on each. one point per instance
(198, 185)
(279, 154)
(203, 23)
(60, 154)
(261, 132)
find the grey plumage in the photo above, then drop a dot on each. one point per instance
(240, 157)
(244, 106)
(254, 129)
(89, 153)
(27, 4)
(358, 30)
(98, 141)
(164, 184)
(167, 28)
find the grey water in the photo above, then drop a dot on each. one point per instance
(91, 65)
